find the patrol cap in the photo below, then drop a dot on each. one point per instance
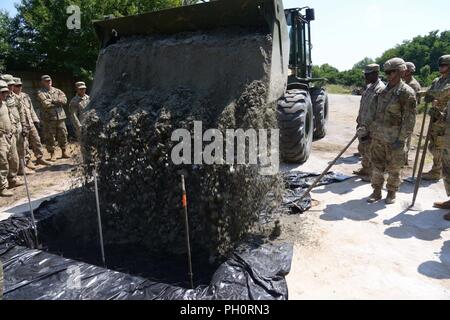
(46, 77)
(9, 79)
(18, 81)
(80, 85)
(372, 68)
(445, 60)
(395, 64)
(3, 86)
(411, 67)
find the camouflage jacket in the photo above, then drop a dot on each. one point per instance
(76, 106)
(415, 85)
(395, 114)
(366, 102)
(28, 112)
(52, 103)
(16, 116)
(5, 120)
(440, 91)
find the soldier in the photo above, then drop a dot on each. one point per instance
(16, 115)
(53, 117)
(77, 105)
(8, 151)
(410, 80)
(31, 120)
(392, 122)
(443, 97)
(437, 95)
(374, 87)
(415, 85)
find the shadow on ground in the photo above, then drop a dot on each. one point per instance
(55, 168)
(426, 225)
(438, 270)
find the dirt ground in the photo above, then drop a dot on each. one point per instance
(344, 248)
(47, 182)
(348, 249)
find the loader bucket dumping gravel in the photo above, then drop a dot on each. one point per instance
(223, 64)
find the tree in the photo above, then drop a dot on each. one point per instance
(5, 46)
(42, 41)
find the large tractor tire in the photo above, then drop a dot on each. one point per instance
(295, 120)
(319, 99)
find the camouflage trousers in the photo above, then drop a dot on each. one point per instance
(34, 142)
(9, 160)
(384, 159)
(436, 147)
(55, 130)
(365, 150)
(446, 169)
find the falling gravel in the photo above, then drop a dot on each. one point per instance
(144, 89)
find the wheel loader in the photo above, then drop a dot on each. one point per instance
(302, 103)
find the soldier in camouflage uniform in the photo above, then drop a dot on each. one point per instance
(443, 97)
(438, 95)
(77, 105)
(52, 102)
(415, 85)
(31, 135)
(390, 125)
(18, 147)
(8, 147)
(374, 87)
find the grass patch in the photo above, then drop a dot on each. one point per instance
(338, 89)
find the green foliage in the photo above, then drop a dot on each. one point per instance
(424, 52)
(42, 41)
(5, 46)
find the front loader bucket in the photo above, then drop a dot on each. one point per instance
(248, 16)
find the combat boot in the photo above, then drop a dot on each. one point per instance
(442, 205)
(363, 172)
(6, 193)
(391, 197)
(376, 196)
(30, 165)
(432, 176)
(52, 157)
(64, 154)
(26, 170)
(447, 217)
(15, 183)
(42, 162)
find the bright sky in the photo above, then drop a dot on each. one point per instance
(346, 31)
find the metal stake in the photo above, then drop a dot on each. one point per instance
(327, 169)
(100, 230)
(33, 220)
(416, 161)
(186, 224)
(422, 164)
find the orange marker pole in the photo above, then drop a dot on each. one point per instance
(186, 224)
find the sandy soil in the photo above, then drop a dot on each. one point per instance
(47, 182)
(347, 249)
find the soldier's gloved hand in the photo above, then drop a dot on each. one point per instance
(362, 132)
(397, 145)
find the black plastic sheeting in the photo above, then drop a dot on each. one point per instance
(253, 272)
(298, 182)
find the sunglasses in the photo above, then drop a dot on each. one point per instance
(389, 72)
